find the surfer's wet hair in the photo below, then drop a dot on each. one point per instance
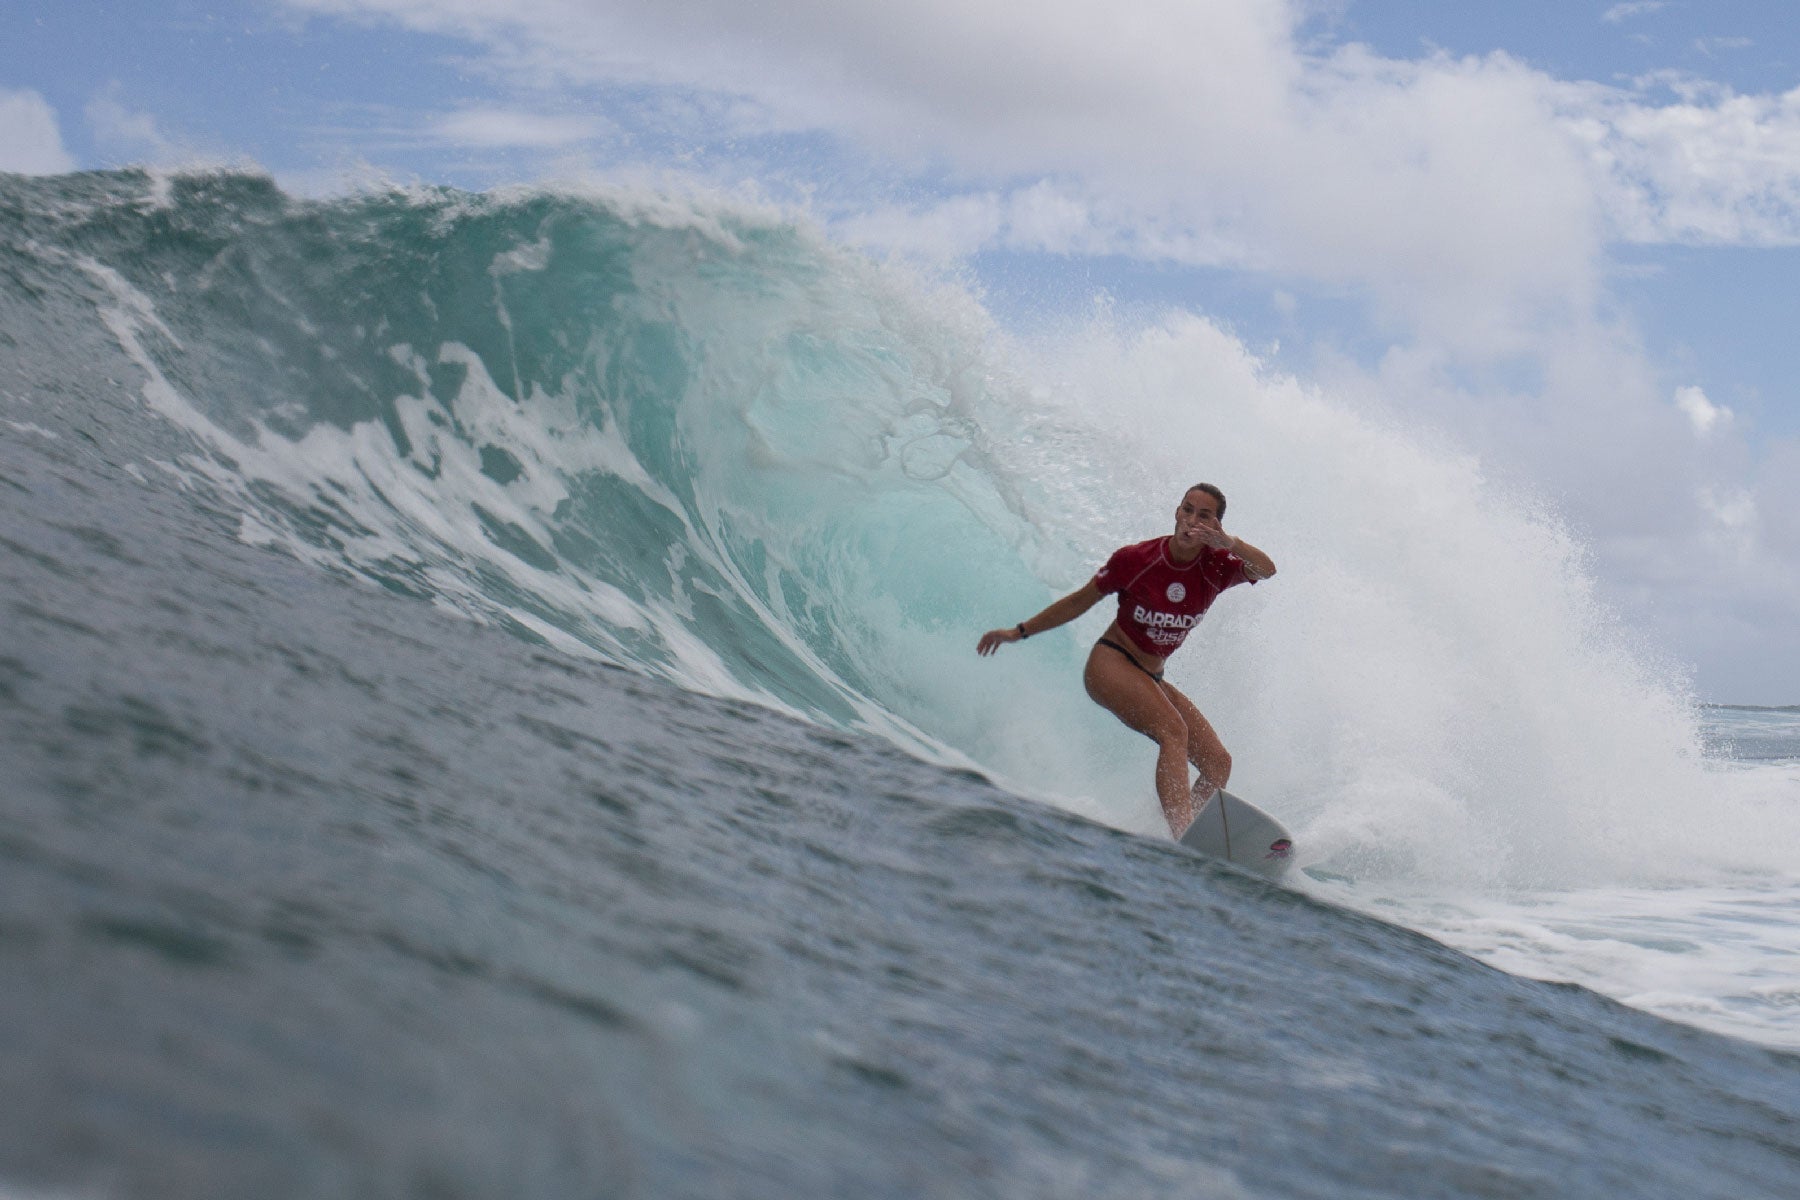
(1213, 491)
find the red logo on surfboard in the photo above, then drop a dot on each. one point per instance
(1279, 848)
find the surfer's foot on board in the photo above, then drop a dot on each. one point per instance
(1199, 795)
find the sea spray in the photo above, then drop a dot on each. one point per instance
(1431, 682)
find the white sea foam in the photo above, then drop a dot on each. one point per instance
(1717, 956)
(1429, 689)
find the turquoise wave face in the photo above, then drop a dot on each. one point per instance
(701, 443)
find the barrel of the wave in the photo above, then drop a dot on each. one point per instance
(1242, 834)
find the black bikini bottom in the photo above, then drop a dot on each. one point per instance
(1130, 658)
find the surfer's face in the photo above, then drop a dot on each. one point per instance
(1198, 511)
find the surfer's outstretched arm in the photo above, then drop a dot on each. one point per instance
(1059, 613)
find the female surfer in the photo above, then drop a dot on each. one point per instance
(1164, 586)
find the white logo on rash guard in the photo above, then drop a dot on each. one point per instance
(1176, 593)
(1155, 622)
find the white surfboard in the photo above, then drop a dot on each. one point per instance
(1239, 832)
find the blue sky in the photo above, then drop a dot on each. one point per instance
(1563, 233)
(1748, 45)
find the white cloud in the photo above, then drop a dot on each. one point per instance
(1702, 412)
(1043, 217)
(128, 135)
(1632, 8)
(496, 128)
(1735, 509)
(30, 137)
(1051, 219)
(1715, 167)
(1736, 534)
(1708, 46)
(949, 229)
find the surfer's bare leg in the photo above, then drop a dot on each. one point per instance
(1136, 699)
(1204, 749)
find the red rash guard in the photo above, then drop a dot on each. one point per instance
(1161, 599)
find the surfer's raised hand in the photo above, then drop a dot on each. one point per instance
(1216, 537)
(1195, 528)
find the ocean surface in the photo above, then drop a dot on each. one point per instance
(488, 708)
